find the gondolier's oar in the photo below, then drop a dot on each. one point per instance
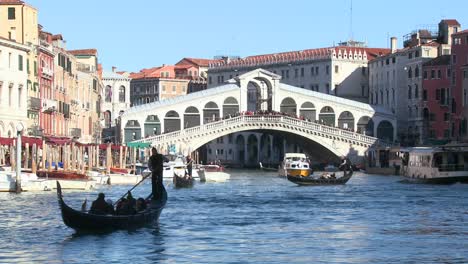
(144, 178)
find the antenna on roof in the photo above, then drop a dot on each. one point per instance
(351, 22)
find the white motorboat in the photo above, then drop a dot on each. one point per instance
(294, 164)
(213, 173)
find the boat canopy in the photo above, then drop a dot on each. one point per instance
(138, 145)
(294, 155)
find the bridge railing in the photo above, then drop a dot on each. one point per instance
(265, 119)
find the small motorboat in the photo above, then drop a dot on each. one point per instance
(324, 179)
(182, 181)
(214, 173)
(295, 164)
(85, 221)
(267, 168)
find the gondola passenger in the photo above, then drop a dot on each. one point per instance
(140, 205)
(100, 206)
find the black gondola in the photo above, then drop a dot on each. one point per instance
(311, 181)
(182, 181)
(84, 221)
(267, 168)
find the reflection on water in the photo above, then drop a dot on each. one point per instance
(255, 217)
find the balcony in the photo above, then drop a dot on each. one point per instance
(49, 105)
(48, 72)
(75, 132)
(34, 103)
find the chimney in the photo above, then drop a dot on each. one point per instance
(114, 68)
(393, 44)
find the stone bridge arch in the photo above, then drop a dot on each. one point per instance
(171, 121)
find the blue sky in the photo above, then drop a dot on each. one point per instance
(152, 33)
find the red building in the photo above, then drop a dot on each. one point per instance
(436, 97)
(46, 80)
(459, 61)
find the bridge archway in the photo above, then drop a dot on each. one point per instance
(265, 148)
(171, 121)
(240, 146)
(365, 126)
(252, 150)
(132, 130)
(230, 107)
(210, 112)
(327, 116)
(346, 120)
(152, 126)
(191, 117)
(288, 106)
(385, 131)
(308, 111)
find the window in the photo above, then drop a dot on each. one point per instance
(454, 59)
(20, 94)
(465, 74)
(363, 71)
(410, 55)
(210, 81)
(122, 94)
(164, 88)
(316, 70)
(425, 95)
(387, 61)
(173, 88)
(20, 62)
(11, 13)
(410, 73)
(336, 68)
(327, 88)
(393, 59)
(432, 74)
(287, 74)
(439, 74)
(437, 94)
(425, 75)
(446, 116)
(302, 72)
(409, 91)
(416, 54)
(416, 91)
(327, 70)
(416, 72)
(296, 73)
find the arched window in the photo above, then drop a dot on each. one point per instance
(410, 73)
(108, 95)
(416, 72)
(409, 91)
(122, 94)
(416, 91)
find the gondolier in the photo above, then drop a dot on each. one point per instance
(155, 165)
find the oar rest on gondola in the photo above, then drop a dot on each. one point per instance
(323, 180)
(85, 221)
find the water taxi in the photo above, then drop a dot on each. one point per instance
(295, 164)
(440, 165)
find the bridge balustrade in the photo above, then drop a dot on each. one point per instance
(261, 120)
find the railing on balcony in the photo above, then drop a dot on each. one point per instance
(75, 132)
(34, 103)
(49, 105)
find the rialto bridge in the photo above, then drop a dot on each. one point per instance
(344, 127)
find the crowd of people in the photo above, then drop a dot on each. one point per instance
(125, 206)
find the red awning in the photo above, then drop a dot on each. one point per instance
(31, 141)
(6, 141)
(58, 140)
(113, 147)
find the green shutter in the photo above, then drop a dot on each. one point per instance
(35, 68)
(27, 65)
(20, 62)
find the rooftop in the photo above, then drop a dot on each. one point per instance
(441, 60)
(88, 52)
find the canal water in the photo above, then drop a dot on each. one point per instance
(256, 217)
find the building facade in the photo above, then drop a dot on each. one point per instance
(339, 71)
(18, 22)
(396, 80)
(13, 89)
(436, 97)
(116, 95)
(459, 61)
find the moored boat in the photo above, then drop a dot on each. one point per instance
(266, 168)
(436, 165)
(295, 164)
(325, 179)
(85, 221)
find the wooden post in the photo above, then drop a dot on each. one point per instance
(108, 158)
(134, 158)
(120, 156)
(44, 155)
(12, 156)
(124, 161)
(26, 156)
(34, 158)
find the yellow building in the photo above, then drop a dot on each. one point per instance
(18, 22)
